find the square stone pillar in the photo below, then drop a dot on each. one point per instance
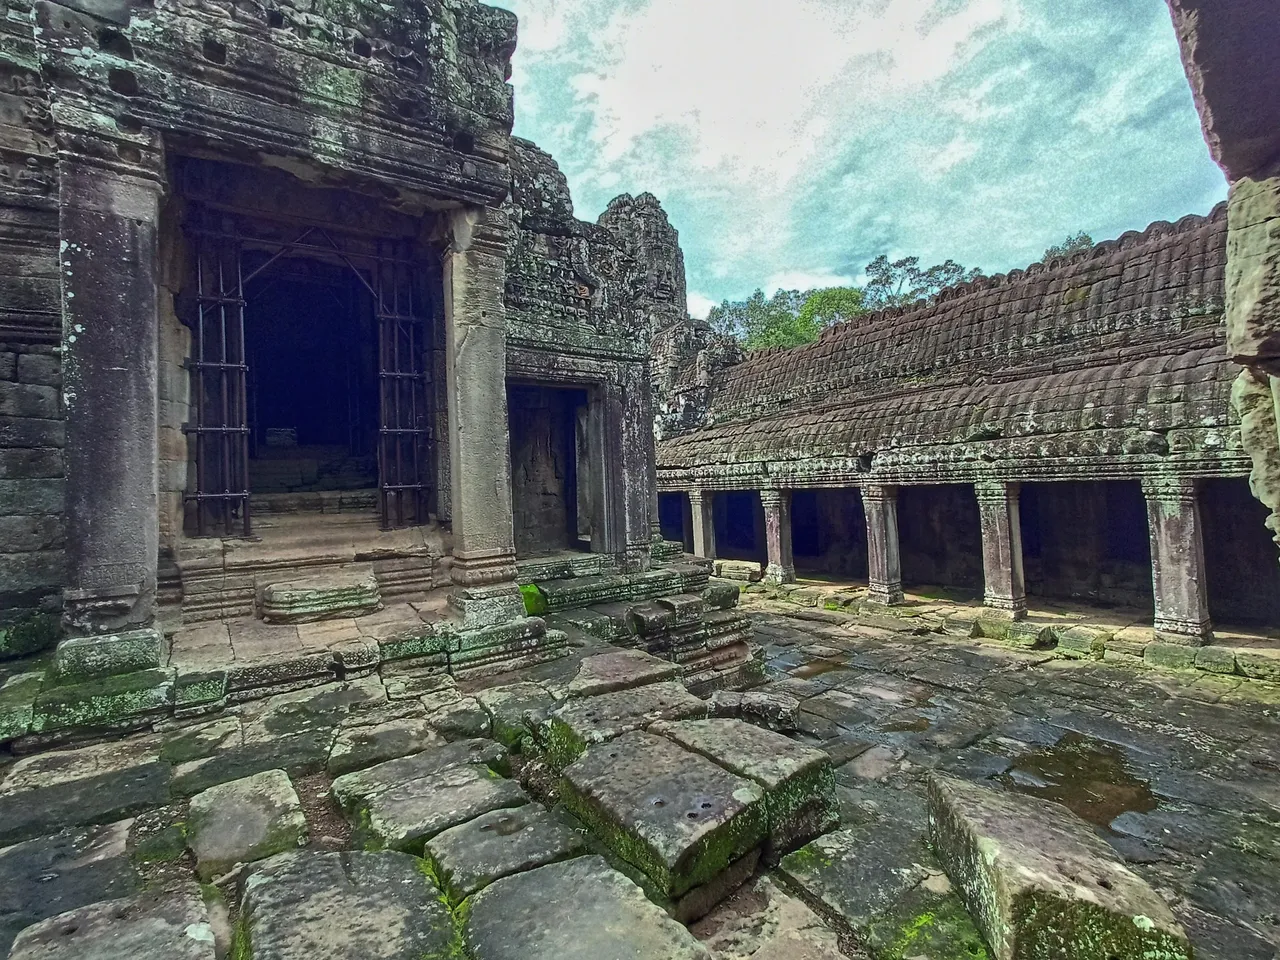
(1177, 560)
(476, 386)
(704, 527)
(777, 534)
(884, 562)
(108, 221)
(1006, 588)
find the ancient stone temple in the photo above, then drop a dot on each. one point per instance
(1064, 431)
(337, 618)
(309, 366)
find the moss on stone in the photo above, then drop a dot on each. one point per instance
(103, 702)
(164, 846)
(31, 633)
(563, 746)
(535, 604)
(1050, 928)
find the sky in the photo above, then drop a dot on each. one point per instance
(793, 141)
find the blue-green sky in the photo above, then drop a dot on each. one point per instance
(792, 141)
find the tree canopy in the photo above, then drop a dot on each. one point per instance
(904, 281)
(1076, 243)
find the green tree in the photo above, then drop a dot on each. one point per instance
(825, 308)
(1077, 243)
(759, 321)
(903, 282)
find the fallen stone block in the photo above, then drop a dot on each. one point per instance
(404, 816)
(1018, 633)
(352, 789)
(620, 670)
(581, 909)
(1040, 883)
(771, 708)
(798, 781)
(347, 594)
(50, 875)
(590, 720)
(1083, 642)
(742, 571)
(463, 719)
(674, 814)
(374, 906)
(469, 857)
(516, 711)
(363, 746)
(243, 821)
(90, 658)
(142, 928)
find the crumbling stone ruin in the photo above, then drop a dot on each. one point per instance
(337, 617)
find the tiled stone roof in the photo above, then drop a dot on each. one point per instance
(1111, 357)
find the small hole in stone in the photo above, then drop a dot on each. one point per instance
(706, 805)
(659, 803)
(406, 108)
(362, 48)
(115, 43)
(69, 929)
(1104, 883)
(692, 814)
(275, 19)
(214, 51)
(123, 82)
(129, 153)
(464, 142)
(128, 124)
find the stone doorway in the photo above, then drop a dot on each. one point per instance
(550, 469)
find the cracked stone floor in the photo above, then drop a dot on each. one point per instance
(1180, 772)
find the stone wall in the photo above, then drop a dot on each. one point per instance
(940, 536)
(1240, 558)
(829, 532)
(31, 478)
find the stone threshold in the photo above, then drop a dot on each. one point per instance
(1069, 634)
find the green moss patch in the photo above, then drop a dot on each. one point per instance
(535, 602)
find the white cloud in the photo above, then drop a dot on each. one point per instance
(700, 305)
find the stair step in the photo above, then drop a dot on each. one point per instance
(351, 593)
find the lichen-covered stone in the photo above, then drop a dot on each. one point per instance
(352, 789)
(516, 711)
(799, 782)
(107, 702)
(672, 813)
(243, 821)
(349, 594)
(585, 721)
(577, 910)
(376, 906)
(1040, 884)
(174, 927)
(470, 856)
(17, 702)
(88, 658)
(357, 747)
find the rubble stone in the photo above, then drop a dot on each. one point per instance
(243, 821)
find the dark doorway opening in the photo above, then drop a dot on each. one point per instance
(829, 533)
(1087, 541)
(675, 516)
(311, 341)
(739, 523)
(940, 536)
(550, 469)
(1242, 563)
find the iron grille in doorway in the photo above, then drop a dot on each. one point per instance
(219, 368)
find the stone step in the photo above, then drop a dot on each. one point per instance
(350, 593)
(1035, 876)
(554, 596)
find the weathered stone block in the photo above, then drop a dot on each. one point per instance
(721, 595)
(197, 690)
(28, 400)
(516, 711)
(351, 594)
(355, 748)
(109, 702)
(799, 782)
(30, 634)
(1216, 659)
(675, 815)
(39, 368)
(620, 670)
(1259, 663)
(472, 855)
(1018, 633)
(17, 702)
(739, 570)
(352, 789)
(590, 720)
(89, 658)
(1083, 642)
(243, 821)
(172, 928)
(376, 906)
(1170, 656)
(1040, 883)
(577, 910)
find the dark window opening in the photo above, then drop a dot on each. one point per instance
(739, 525)
(1242, 562)
(940, 537)
(829, 533)
(675, 518)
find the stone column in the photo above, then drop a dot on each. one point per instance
(1177, 560)
(704, 528)
(777, 534)
(638, 473)
(884, 563)
(108, 222)
(476, 385)
(1006, 588)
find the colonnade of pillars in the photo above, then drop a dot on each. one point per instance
(1173, 517)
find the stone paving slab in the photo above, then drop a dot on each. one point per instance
(799, 781)
(1034, 877)
(358, 747)
(315, 906)
(469, 857)
(170, 928)
(243, 821)
(580, 909)
(406, 815)
(352, 789)
(591, 720)
(674, 814)
(50, 875)
(516, 711)
(619, 670)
